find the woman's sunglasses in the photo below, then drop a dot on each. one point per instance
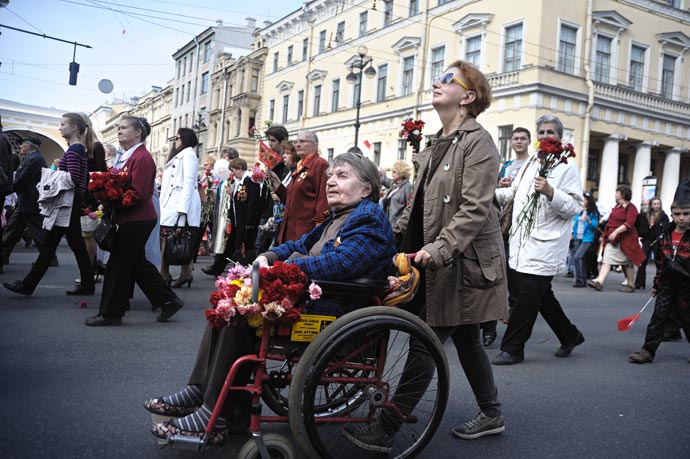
(449, 78)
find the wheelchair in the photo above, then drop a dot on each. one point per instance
(347, 375)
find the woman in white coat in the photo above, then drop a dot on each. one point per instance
(179, 200)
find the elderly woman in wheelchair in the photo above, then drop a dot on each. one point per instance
(354, 241)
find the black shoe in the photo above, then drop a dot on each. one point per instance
(54, 262)
(169, 309)
(506, 359)
(370, 437)
(18, 287)
(569, 275)
(564, 351)
(479, 426)
(579, 284)
(100, 321)
(210, 271)
(489, 338)
(81, 289)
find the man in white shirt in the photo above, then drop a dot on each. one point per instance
(538, 255)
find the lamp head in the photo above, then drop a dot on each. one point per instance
(362, 50)
(351, 77)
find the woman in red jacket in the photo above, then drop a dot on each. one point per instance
(622, 246)
(305, 196)
(127, 262)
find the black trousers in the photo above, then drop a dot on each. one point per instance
(671, 311)
(641, 276)
(46, 252)
(128, 264)
(419, 371)
(534, 296)
(13, 231)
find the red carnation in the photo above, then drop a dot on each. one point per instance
(215, 297)
(214, 319)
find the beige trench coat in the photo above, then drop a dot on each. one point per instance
(458, 225)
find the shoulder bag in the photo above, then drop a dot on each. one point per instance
(105, 232)
(179, 245)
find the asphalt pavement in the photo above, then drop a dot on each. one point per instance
(70, 391)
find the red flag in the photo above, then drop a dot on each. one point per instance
(367, 144)
(626, 323)
(267, 156)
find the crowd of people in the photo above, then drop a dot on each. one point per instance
(481, 260)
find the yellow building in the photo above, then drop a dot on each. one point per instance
(236, 87)
(156, 106)
(194, 63)
(614, 71)
(20, 120)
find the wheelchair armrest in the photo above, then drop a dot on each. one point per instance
(353, 287)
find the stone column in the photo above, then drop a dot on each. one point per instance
(643, 161)
(671, 177)
(608, 174)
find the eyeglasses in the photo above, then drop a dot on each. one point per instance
(448, 78)
(678, 214)
(177, 137)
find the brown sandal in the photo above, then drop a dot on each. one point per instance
(158, 406)
(165, 430)
(595, 285)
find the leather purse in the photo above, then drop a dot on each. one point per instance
(180, 245)
(105, 233)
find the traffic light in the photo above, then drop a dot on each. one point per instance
(73, 71)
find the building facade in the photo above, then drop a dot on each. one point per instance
(614, 71)
(156, 106)
(194, 64)
(20, 120)
(237, 84)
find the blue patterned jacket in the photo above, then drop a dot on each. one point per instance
(366, 249)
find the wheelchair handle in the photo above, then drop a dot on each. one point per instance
(255, 282)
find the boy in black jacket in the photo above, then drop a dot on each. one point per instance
(671, 283)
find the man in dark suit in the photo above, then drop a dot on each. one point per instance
(244, 215)
(26, 215)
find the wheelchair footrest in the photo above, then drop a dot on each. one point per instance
(186, 442)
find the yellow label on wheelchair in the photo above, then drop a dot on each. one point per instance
(308, 327)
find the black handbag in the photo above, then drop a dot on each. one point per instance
(105, 233)
(179, 245)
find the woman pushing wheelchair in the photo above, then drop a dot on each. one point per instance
(355, 240)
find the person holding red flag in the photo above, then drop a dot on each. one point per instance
(671, 283)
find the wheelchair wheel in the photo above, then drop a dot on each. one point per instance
(277, 445)
(275, 395)
(374, 341)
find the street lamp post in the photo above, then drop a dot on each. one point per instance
(356, 78)
(198, 126)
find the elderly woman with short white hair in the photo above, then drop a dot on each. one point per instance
(398, 196)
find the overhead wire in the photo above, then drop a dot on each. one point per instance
(353, 26)
(134, 36)
(24, 20)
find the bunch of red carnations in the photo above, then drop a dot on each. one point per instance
(412, 131)
(283, 290)
(110, 187)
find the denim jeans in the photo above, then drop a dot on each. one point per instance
(580, 249)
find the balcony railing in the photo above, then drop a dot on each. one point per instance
(638, 99)
(504, 80)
